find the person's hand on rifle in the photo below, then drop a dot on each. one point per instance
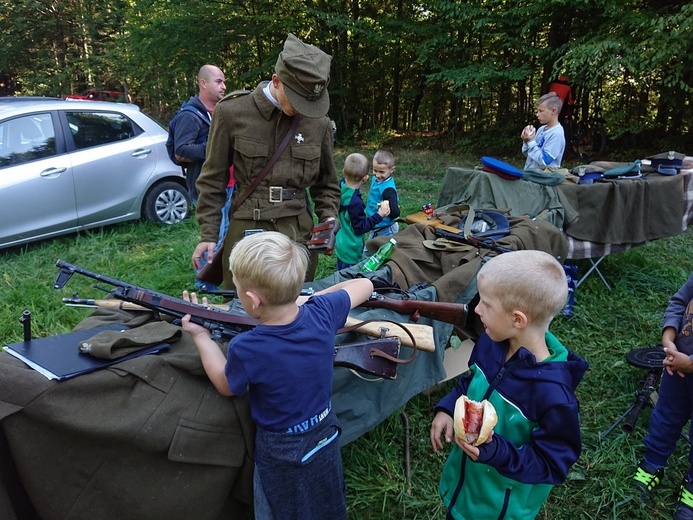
(193, 328)
(200, 250)
(213, 359)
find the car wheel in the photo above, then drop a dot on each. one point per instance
(167, 203)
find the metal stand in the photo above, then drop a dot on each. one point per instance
(650, 358)
(595, 268)
(25, 319)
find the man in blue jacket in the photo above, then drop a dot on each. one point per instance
(192, 126)
(530, 378)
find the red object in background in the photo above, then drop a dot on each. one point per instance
(562, 87)
(98, 95)
(427, 208)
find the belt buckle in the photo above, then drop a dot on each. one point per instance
(276, 194)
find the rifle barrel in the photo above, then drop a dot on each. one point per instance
(454, 313)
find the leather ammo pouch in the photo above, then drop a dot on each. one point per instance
(323, 237)
(212, 272)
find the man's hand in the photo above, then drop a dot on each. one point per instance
(203, 247)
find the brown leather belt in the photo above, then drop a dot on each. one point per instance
(279, 194)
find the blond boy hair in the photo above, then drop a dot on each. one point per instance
(529, 280)
(271, 265)
(385, 156)
(551, 100)
(355, 167)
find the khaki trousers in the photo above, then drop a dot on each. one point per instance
(298, 228)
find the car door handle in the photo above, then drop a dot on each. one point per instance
(139, 153)
(52, 171)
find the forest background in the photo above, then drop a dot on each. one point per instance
(459, 75)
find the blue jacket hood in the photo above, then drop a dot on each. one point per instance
(568, 373)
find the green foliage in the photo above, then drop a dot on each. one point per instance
(440, 66)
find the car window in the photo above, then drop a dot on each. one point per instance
(96, 128)
(26, 138)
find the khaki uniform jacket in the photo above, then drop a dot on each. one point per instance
(246, 130)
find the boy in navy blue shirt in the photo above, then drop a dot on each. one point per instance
(286, 366)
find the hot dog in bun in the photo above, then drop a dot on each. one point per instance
(474, 421)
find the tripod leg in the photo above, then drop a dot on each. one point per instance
(617, 422)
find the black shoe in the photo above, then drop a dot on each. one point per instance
(684, 506)
(646, 479)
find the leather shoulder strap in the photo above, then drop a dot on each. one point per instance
(258, 179)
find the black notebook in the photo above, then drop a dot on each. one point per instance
(58, 357)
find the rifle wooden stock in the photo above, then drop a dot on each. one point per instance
(423, 334)
(455, 313)
(451, 233)
(422, 218)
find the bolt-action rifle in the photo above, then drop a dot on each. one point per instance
(471, 240)
(454, 313)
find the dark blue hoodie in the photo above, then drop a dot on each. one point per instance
(537, 438)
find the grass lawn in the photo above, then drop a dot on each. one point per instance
(605, 326)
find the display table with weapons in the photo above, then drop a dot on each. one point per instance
(150, 433)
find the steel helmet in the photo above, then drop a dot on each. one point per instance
(488, 224)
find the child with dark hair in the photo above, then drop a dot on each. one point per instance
(674, 406)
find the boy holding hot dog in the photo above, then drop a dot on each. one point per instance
(529, 377)
(286, 366)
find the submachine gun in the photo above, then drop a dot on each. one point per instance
(376, 356)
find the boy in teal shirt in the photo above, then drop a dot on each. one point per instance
(383, 189)
(354, 224)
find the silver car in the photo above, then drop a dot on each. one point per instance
(70, 165)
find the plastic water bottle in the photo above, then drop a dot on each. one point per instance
(382, 254)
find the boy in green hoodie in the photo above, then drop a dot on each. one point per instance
(530, 379)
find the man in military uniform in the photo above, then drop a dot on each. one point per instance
(246, 130)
